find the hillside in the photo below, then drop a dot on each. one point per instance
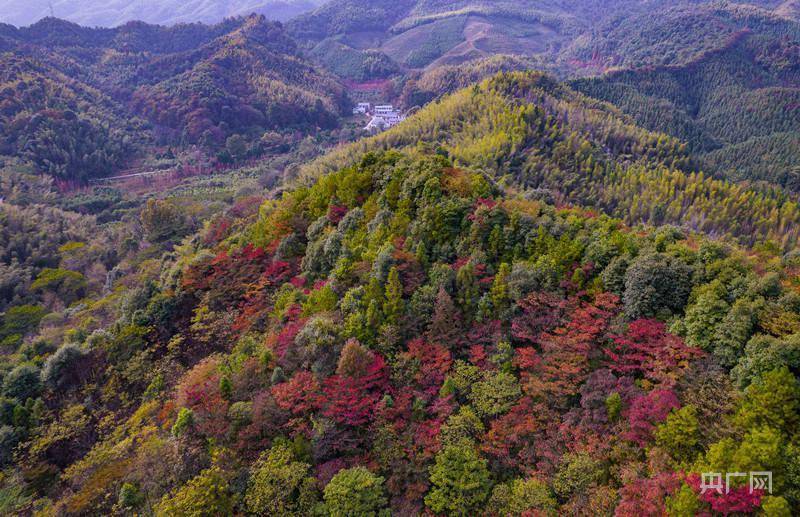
(568, 283)
(416, 34)
(251, 77)
(421, 88)
(789, 9)
(93, 13)
(738, 107)
(528, 129)
(186, 82)
(679, 35)
(579, 36)
(66, 128)
(415, 332)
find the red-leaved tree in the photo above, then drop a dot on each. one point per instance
(648, 350)
(351, 400)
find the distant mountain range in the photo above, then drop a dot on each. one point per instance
(575, 36)
(723, 77)
(78, 102)
(111, 13)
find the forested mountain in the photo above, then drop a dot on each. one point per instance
(579, 36)
(65, 127)
(79, 102)
(112, 13)
(420, 331)
(421, 88)
(251, 77)
(567, 284)
(737, 107)
(679, 34)
(418, 34)
(789, 9)
(169, 86)
(529, 129)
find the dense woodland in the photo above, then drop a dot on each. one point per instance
(739, 107)
(407, 335)
(529, 129)
(533, 297)
(420, 330)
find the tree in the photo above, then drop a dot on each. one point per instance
(300, 395)
(468, 289)
(523, 497)
(352, 400)
(162, 220)
(495, 394)
(130, 497)
(393, 305)
(499, 294)
(763, 354)
(647, 349)
(561, 364)
(704, 316)
(460, 481)
(647, 496)
(761, 449)
(9, 439)
(646, 412)
(445, 328)
(577, 472)
(18, 321)
(432, 361)
(65, 368)
(278, 483)
(680, 434)
(22, 383)
(684, 502)
(773, 400)
(354, 359)
(734, 331)
(236, 145)
(355, 491)
(655, 285)
(183, 422)
(464, 425)
(70, 286)
(206, 494)
(776, 506)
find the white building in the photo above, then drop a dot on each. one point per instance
(362, 108)
(383, 117)
(384, 109)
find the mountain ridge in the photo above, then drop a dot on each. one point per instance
(186, 90)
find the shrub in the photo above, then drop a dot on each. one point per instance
(277, 483)
(205, 494)
(183, 422)
(64, 368)
(22, 383)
